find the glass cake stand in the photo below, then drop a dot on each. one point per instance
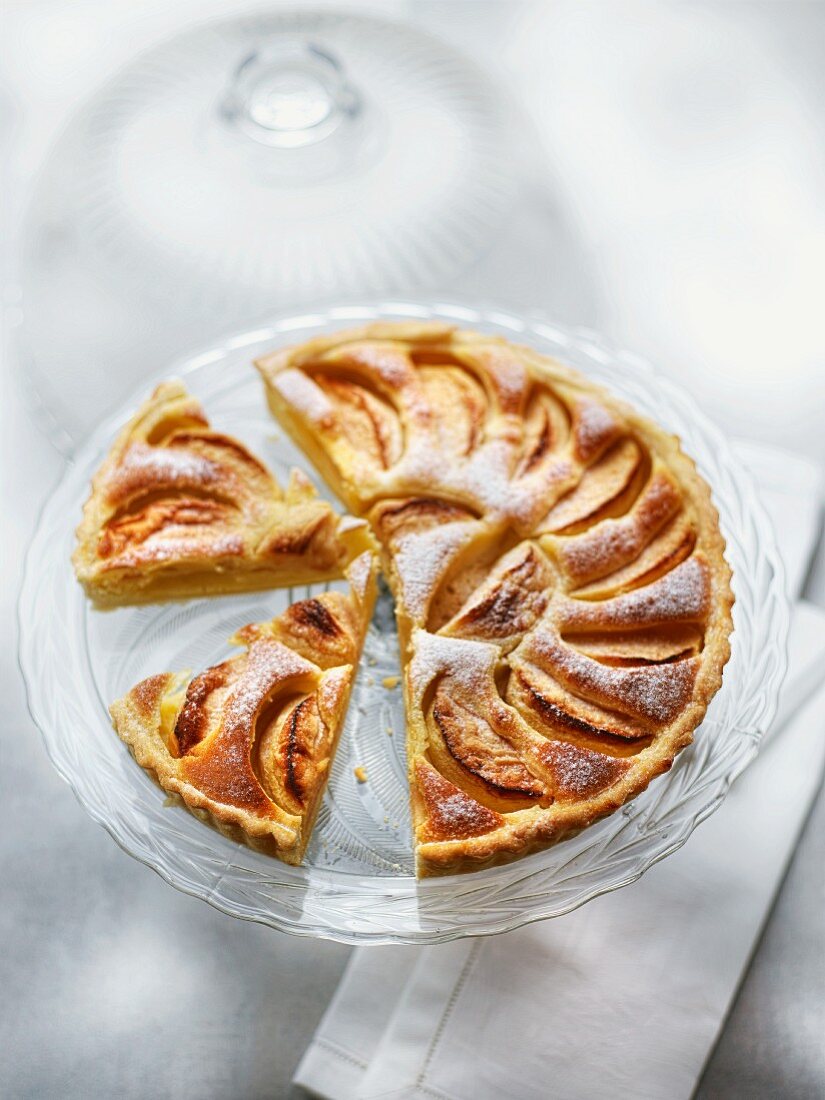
(357, 884)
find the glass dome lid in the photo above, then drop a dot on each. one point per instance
(247, 165)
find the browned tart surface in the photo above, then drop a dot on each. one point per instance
(178, 509)
(562, 596)
(249, 742)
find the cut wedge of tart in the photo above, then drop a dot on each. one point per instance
(248, 744)
(562, 596)
(180, 510)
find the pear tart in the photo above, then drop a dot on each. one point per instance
(248, 743)
(179, 510)
(563, 601)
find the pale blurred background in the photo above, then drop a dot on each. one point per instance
(672, 198)
(676, 199)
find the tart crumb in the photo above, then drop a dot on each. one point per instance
(391, 682)
(360, 774)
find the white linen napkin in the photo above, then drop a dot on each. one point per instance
(626, 995)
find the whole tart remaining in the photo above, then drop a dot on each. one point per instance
(179, 510)
(563, 601)
(248, 743)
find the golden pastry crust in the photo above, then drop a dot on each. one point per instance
(248, 743)
(179, 510)
(563, 600)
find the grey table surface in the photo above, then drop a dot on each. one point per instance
(113, 983)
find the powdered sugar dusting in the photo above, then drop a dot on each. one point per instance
(163, 547)
(580, 772)
(304, 395)
(594, 427)
(509, 377)
(268, 665)
(493, 490)
(653, 692)
(451, 814)
(383, 360)
(599, 485)
(142, 466)
(421, 558)
(334, 686)
(358, 574)
(487, 477)
(683, 595)
(468, 664)
(616, 542)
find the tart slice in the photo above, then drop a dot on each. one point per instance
(562, 596)
(248, 744)
(179, 510)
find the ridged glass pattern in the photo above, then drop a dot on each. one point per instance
(357, 884)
